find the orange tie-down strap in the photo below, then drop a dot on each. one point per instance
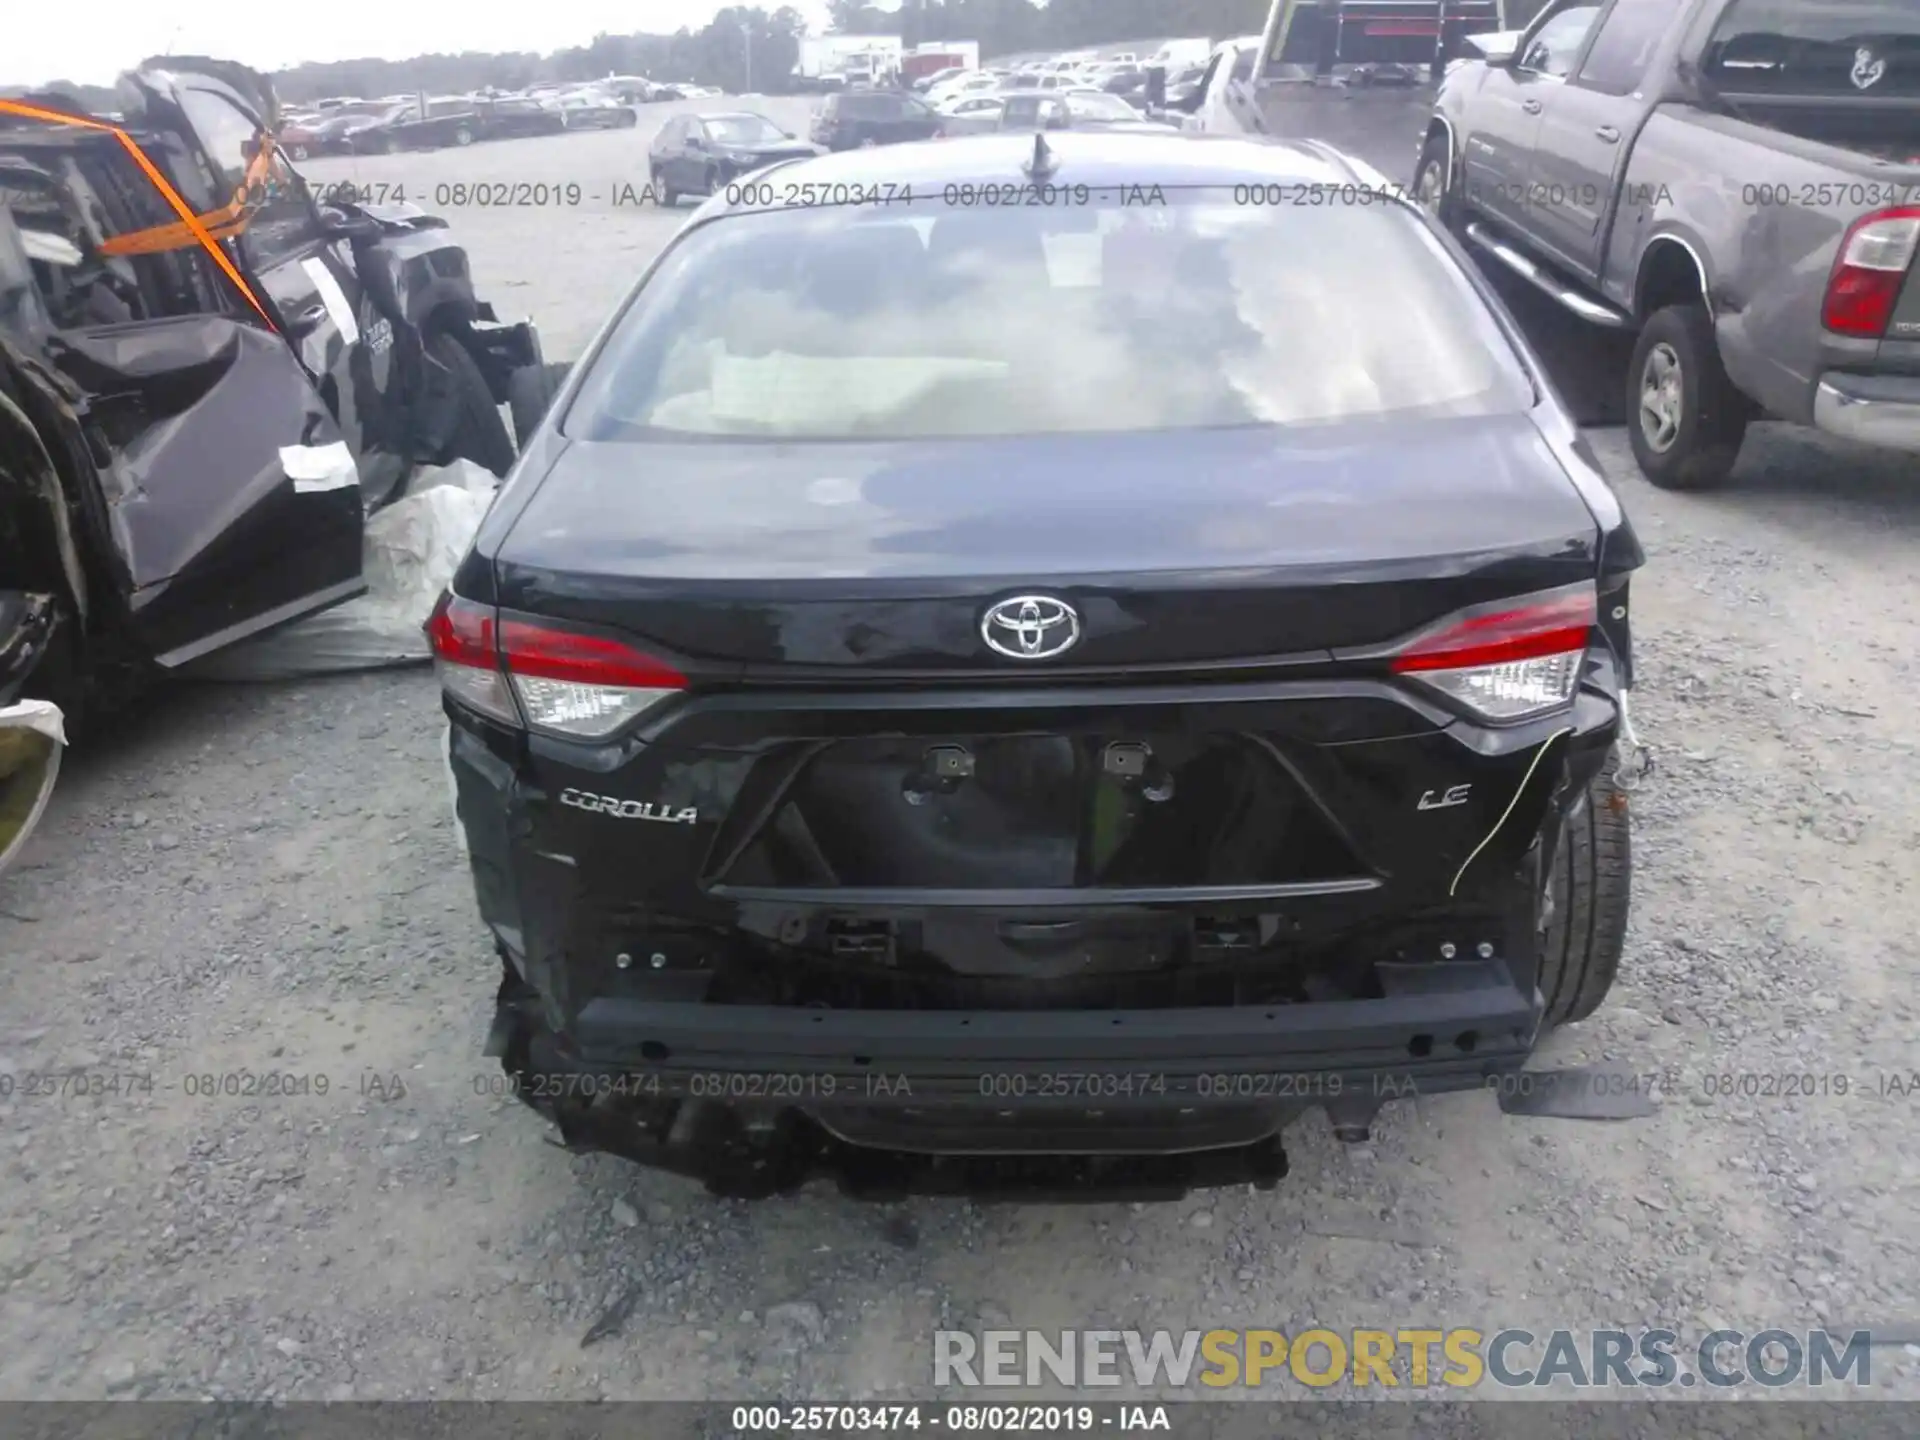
(204, 230)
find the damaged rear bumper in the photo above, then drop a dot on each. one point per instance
(758, 1099)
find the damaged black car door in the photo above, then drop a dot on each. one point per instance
(240, 451)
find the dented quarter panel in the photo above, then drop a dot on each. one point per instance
(1690, 180)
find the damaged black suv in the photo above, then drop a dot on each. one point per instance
(209, 376)
(962, 694)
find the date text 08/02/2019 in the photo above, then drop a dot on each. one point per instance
(1007, 1419)
(868, 1085)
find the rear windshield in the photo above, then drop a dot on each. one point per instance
(1833, 47)
(923, 320)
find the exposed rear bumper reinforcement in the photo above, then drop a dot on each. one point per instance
(1084, 1104)
(1435, 1017)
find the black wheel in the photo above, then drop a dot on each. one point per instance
(479, 434)
(628, 119)
(463, 136)
(1684, 417)
(1431, 190)
(712, 180)
(664, 195)
(530, 391)
(1587, 896)
(297, 152)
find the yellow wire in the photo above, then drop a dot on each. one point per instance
(1526, 780)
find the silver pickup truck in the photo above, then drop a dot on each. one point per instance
(1735, 181)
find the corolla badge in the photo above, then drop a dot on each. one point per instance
(1867, 70)
(1030, 627)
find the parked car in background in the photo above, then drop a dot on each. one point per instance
(703, 154)
(445, 121)
(974, 115)
(593, 110)
(1734, 182)
(855, 119)
(1075, 110)
(926, 84)
(303, 137)
(1097, 107)
(507, 117)
(629, 89)
(970, 83)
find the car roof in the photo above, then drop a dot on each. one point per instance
(1113, 156)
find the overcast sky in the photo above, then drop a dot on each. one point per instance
(94, 40)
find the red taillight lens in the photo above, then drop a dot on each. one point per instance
(1870, 272)
(522, 671)
(466, 657)
(1509, 660)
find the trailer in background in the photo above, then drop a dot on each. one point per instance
(930, 59)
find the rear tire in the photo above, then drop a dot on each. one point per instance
(530, 391)
(1684, 418)
(1589, 888)
(463, 136)
(479, 434)
(1443, 203)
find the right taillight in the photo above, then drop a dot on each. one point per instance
(527, 672)
(1509, 660)
(1870, 271)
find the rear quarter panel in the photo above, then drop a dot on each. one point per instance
(1763, 213)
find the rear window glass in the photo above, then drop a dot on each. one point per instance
(921, 320)
(1835, 47)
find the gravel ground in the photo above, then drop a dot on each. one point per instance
(266, 879)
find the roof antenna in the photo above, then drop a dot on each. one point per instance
(1041, 165)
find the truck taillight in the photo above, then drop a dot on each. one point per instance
(524, 672)
(1509, 660)
(1870, 271)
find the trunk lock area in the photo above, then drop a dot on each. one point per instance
(943, 770)
(1131, 762)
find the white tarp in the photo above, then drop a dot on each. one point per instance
(410, 552)
(26, 763)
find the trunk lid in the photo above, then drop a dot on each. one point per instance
(1178, 549)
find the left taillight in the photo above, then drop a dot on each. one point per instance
(1870, 272)
(466, 658)
(1510, 660)
(525, 672)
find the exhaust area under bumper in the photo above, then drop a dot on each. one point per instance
(1070, 1104)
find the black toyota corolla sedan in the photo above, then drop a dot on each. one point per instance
(1031, 662)
(703, 154)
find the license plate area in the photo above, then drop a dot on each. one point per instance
(1030, 811)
